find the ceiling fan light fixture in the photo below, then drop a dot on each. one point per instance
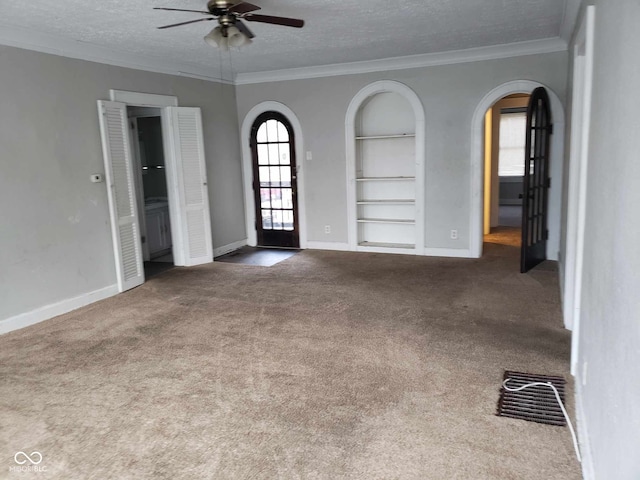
(235, 37)
(223, 37)
(217, 39)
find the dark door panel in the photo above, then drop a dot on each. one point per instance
(536, 181)
(274, 181)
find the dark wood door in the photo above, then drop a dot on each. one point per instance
(536, 181)
(274, 181)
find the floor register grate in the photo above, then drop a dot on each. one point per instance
(534, 404)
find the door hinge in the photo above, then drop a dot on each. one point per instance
(143, 239)
(551, 129)
(546, 234)
(548, 182)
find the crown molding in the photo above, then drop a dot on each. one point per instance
(569, 19)
(55, 45)
(547, 45)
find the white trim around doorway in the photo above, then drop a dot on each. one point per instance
(247, 168)
(477, 164)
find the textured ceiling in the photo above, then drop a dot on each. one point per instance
(336, 31)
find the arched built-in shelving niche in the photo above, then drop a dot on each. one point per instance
(385, 162)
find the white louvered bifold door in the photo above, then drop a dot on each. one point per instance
(188, 149)
(125, 224)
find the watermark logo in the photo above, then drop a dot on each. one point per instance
(27, 462)
(21, 458)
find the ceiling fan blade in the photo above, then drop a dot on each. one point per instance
(185, 23)
(244, 7)
(287, 22)
(181, 10)
(244, 29)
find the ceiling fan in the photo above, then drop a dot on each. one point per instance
(231, 30)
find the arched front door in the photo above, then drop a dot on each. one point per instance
(536, 181)
(274, 181)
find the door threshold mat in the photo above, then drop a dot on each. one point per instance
(263, 257)
(534, 404)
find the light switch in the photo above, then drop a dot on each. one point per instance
(309, 156)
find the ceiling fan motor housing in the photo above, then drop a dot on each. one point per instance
(219, 7)
(227, 20)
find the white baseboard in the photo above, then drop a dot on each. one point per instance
(339, 246)
(49, 311)
(583, 435)
(391, 250)
(229, 248)
(429, 252)
(448, 252)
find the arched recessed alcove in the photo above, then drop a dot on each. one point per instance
(385, 169)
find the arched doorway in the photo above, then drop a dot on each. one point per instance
(272, 143)
(477, 164)
(247, 168)
(504, 152)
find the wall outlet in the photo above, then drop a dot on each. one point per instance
(327, 229)
(309, 155)
(454, 234)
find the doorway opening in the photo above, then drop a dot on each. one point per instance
(275, 181)
(505, 137)
(152, 198)
(188, 233)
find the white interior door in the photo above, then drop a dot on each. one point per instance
(193, 226)
(116, 148)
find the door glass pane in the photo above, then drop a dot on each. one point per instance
(287, 216)
(284, 154)
(274, 154)
(275, 176)
(265, 198)
(283, 135)
(285, 176)
(277, 219)
(272, 130)
(263, 172)
(263, 155)
(262, 133)
(276, 198)
(287, 198)
(266, 220)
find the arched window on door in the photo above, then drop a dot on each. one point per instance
(274, 181)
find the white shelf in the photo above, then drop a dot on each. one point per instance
(387, 220)
(386, 202)
(387, 245)
(379, 137)
(385, 179)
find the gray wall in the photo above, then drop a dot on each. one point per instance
(450, 95)
(55, 240)
(610, 319)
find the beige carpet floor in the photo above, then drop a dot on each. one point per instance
(511, 236)
(328, 365)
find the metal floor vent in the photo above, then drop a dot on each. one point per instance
(534, 404)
